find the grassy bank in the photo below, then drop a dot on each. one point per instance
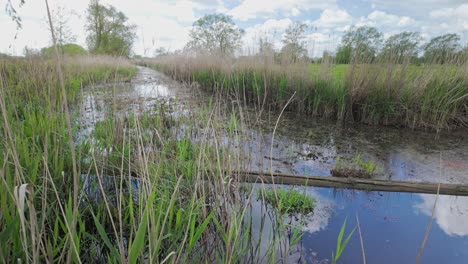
(35, 151)
(429, 96)
(147, 192)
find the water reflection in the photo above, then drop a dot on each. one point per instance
(310, 147)
(451, 212)
(323, 211)
(153, 90)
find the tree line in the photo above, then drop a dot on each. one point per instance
(109, 32)
(217, 34)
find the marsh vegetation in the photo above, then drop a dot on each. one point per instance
(105, 161)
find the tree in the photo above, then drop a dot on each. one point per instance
(67, 49)
(442, 49)
(363, 43)
(13, 14)
(63, 33)
(161, 51)
(30, 52)
(343, 54)
(215, 34)
(402, 46)
(265, 47)
(108, 30)
(293, 42)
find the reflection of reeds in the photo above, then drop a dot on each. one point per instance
(373, 92)
(428, 229)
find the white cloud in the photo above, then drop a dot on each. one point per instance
(181, 10)
(333, 17)
(250, 9)
(450, 212)
(418, 8)
(272, 30)
(458, 16)
(382, 19)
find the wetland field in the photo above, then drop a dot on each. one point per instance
(139, 160)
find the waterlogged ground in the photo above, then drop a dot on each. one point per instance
(393, 224)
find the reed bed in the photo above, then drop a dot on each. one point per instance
(153, 188)
(430, 96)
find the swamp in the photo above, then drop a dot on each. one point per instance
(218, 153)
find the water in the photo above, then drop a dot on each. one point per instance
(305, 146)
(393, 224)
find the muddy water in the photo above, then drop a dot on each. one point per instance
(393, 224)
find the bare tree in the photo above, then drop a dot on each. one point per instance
(293, 42)
(60, 21)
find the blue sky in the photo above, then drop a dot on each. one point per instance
(166, 23)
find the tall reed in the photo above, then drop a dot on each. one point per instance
(430, 96)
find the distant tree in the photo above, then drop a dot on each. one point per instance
(31, 52)
(265, 47)
(293, 42)
(108, 30)
(343, 55)
(67, 49)
(362, 42)
(215, 34)
(63, 33)
(402, 46)
(161, 51)
(442, 49)
(327, 57)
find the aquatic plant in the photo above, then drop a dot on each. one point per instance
(288, 201)
(358, 168)
(340, 244)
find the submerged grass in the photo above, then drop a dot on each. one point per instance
(425, 96)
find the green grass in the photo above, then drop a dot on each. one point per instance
(340, 244)
(357, 168)
(152, 192)
(35, 151)
(288, 201)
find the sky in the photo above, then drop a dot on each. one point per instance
(166, 23)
